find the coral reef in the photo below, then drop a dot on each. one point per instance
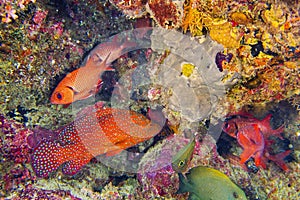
(225, 34)
(9, 9)
(13, 141)
(158, 179)
(167, 14)
(132, 8)
(255, 66)
(39, 48)
(260, 46)
(15, 152)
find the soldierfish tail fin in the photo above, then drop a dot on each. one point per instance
(183, 184)
(46, 158)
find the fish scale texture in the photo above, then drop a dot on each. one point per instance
(101, 131)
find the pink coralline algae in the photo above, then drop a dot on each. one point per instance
(14, 144)
(30, 192)
(56, 30)
(38, 25)
(16, 177)
(167, 14)
(9, 8)
(155, 173)
(131, 7)
(15, 151)
(39, 16)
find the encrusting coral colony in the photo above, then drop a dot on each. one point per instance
(211, 83)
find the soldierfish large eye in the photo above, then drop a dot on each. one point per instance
(59, 96)
(226, 125)
(230, 128)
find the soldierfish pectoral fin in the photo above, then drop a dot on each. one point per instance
(249, 147)
(87, 95)
(96, 88)
(73, 89)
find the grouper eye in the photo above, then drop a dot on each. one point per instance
(59, 96)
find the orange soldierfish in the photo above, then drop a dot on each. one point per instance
(94, 132)
(86, 80)
(80, 83)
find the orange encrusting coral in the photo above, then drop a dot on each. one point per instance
(225, 35)
(192, 21)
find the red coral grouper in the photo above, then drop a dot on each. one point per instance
(254, 137)
(95, 132)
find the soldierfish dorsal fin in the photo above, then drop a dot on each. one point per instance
(103, 63)
(97, 64)
(100, 60)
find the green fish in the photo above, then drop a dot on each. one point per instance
(182, 159)
(205, 183)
